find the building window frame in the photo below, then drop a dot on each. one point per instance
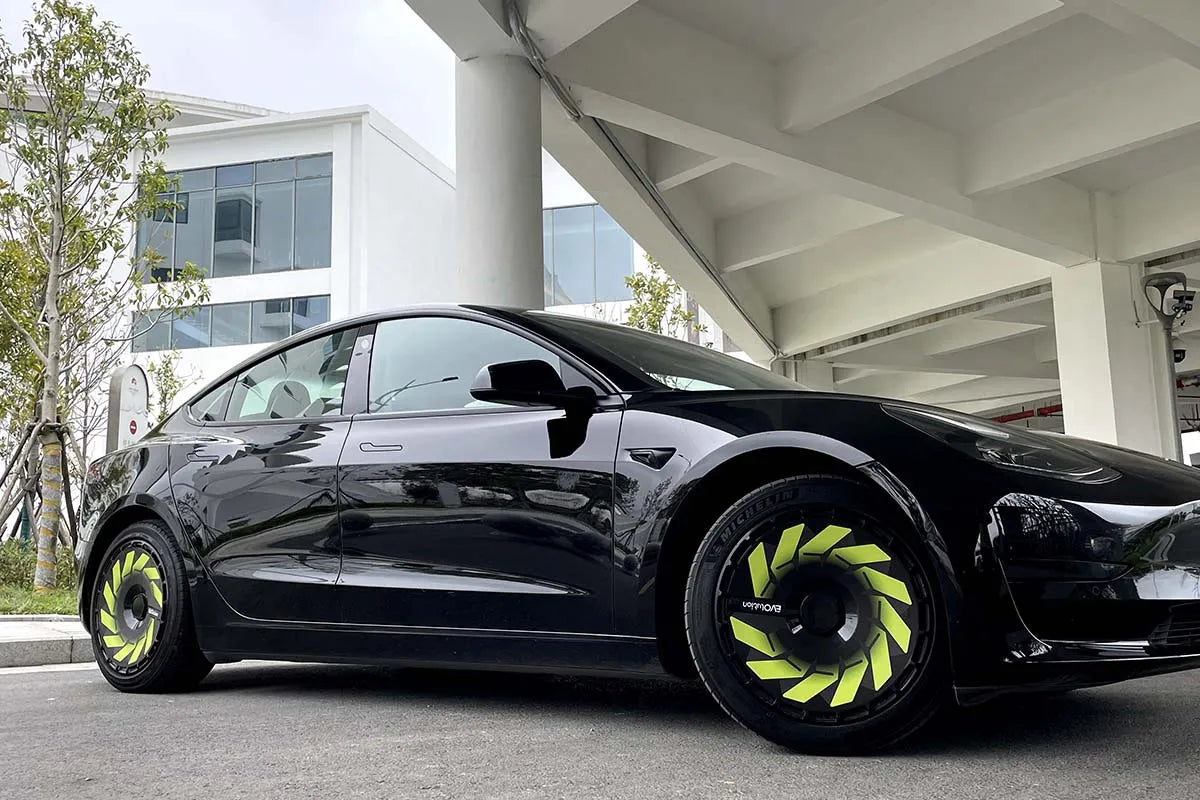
(160, 226)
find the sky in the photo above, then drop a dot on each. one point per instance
(301, 55)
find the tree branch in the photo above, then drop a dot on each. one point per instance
(25, 334)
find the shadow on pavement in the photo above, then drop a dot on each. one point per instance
(1088, 720)
(465, 686)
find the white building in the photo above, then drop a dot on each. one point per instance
(297, 219)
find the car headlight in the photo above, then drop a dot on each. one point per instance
(1010, 448)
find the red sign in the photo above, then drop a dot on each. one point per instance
(133, 427)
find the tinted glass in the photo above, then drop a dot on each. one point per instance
(272, 227)
(270, 320)
(235, 175)
(574, 255)
(548, 255)
(233, 233)
(314, 222)
(230, 324)
(308, 312)
(196, 179)
(211, 407)
(265, 217)
(155, 248)
(151, 331)
(314, 166)
(283, 169)
(614, 259)
(429, 363)
(192, 329)
(662, 360)
(307, 380)
(193, 231)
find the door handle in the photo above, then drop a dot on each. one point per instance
(197, 458)
(371, 447)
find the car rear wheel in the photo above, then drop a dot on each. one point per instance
(812, 620)
(142, 630)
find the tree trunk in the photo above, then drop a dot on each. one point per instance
(45, 576)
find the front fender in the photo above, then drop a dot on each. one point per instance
(120, 488)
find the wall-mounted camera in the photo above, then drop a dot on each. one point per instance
(1180, 354)
(1182, 301)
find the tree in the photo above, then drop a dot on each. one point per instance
(82, 140)
(165, 384)
(656, 305)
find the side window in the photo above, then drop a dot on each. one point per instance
(429, 363)
(307, 380)
(211, 407)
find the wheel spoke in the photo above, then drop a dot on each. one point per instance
(860, 554)
(881, 659)
(759, 575)
(785, 553)
(776, 669)
(852, 677)
(751, 636)
(893, 623)
(824, 541)
(813, 685)
(885, 584)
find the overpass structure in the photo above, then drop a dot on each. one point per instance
(950, 201)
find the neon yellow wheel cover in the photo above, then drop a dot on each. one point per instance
(770, 662)
(118, 645)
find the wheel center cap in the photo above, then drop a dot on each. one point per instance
(139, 607)
(822, 614)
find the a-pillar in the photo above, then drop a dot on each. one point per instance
(1111, 370)
(498, 130)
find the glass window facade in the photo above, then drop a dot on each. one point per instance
(587, 256)
(228, 324)
(243, 219)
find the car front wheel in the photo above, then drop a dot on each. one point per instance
(812, 620)
(142, 630)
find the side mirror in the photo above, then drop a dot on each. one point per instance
(529, 383)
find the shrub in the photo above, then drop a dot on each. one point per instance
(17, 561)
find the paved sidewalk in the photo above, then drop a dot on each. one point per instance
(35, 639)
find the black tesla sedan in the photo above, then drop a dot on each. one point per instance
(467, 486)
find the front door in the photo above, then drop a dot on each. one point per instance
(462, 514)
(257, 488)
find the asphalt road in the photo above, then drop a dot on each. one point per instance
(280, 730)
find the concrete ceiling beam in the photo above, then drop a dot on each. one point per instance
(713, 97)
(899, 45)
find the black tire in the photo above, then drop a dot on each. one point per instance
(142, 630)
(799, 590)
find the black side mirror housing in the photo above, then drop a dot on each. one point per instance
(529, 383)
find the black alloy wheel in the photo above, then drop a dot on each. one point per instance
(141, 622)
(812, 620)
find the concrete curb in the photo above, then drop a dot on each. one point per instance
(32, 640)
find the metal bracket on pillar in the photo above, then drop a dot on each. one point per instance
(1169, 307)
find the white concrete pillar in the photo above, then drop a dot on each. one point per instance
(814, 375)
(1112, 372)
(498, 181)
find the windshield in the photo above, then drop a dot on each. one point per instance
(664, 361)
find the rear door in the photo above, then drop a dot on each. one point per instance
(462, 514)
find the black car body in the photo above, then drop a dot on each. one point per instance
(545, 537)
